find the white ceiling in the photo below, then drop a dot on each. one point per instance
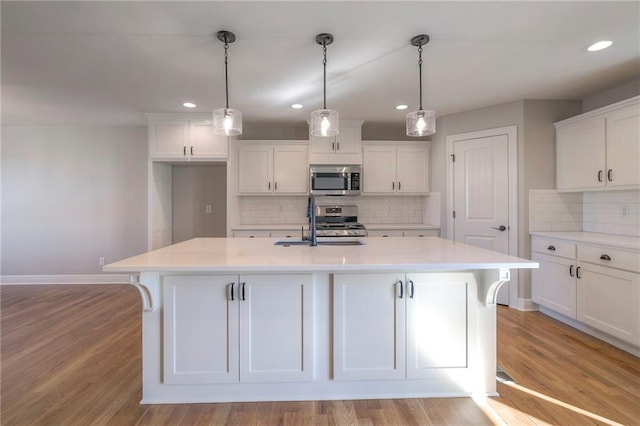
(110, 62)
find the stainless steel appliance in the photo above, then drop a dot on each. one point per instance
(338, 221)
(335, 180)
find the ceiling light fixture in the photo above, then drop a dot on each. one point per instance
(401, 107)
(600, 45)
(189, 105)
(324, 122)
(227, 121)
(296, 106)
(421, 122)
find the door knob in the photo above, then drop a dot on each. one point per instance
(500, 228)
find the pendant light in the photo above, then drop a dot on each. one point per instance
(227, 121)
(324, 122)
(421, 122)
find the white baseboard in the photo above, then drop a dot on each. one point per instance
(64, 279)
(525, 305)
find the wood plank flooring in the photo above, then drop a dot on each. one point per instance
(71, 355)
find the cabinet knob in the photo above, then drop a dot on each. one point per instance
(552, 248)
(605, 257)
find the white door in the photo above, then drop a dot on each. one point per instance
(369, 326)
(481, 195)
(200, 322)
(276, 328)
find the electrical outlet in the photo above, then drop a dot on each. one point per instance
(207, 208)
(102, 260)
(625, 211)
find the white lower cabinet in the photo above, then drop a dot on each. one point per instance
(230, 329)
(554, 284)
(396, 326)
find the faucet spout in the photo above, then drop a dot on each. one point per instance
(312, 221)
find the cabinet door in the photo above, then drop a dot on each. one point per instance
(320, 145)
(609, 300)
(436, 322)
(368, 326)
(168, 139)
(413, 170)
(379, 170)
(623, 146)
(553, 284)
(290, 169)
(255, 169)
(580, 155)
(200, 323)
(348, 141)
(204, 144)
(276, 328)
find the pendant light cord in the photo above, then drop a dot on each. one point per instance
(420, 72)
(226, 76)
(324, 65)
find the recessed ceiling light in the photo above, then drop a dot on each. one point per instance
(189, 104)
(599, 45)
(296, 106)
(402, 106)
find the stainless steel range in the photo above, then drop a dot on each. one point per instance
(338, 221)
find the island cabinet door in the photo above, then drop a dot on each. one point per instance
(368, 326)
(200, 322)
(436, 323)
(276, 328)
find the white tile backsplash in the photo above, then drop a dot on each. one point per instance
(371, 209)
(607, 212)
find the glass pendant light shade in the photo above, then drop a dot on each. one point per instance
(227, 121)
(324, 122)
(421, 123)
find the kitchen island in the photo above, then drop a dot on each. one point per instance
(239, 319)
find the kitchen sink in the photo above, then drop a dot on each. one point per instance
(292, 242)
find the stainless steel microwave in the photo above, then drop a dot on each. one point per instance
(335, 180)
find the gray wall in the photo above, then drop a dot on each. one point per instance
(71, 194)
(195, 187)
(613, 95)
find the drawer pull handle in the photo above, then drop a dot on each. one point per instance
(605, 257)
(552, 248)
(571, 270)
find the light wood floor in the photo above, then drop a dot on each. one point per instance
(71, 355)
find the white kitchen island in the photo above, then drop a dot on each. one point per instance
(245, 320)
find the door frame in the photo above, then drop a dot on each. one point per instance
(512, 136)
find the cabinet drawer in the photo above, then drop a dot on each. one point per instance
(612, 257)
(553, 247)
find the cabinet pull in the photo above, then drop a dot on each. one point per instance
(192, 151)
(231, 288)
(243, 285)
(393, 185)
(401, 289)
(399, 186)
(578, 271)
(605, 257)
(333, 146)
(275, 186)
(609, 175)
(184, 150)
(337, 146)
(269, 186)
(385, 235)
(552, 248)
(599, 175)
(571, 270)
(411, 289)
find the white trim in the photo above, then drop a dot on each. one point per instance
(525, 305)
(597, 112)
(512, 135)
(64, 279)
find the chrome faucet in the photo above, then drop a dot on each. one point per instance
(312, 221)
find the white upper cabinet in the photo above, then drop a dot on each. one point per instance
(395, 168)
(600, 149)
(265, 169)
(344, 148)
(178, 137)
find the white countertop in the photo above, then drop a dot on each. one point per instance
(260, 254)
(619, 241)
(287, 227)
